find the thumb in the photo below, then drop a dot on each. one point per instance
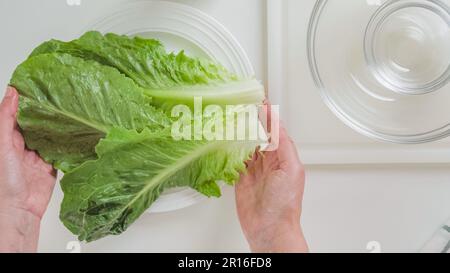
(287, 152)
(8, 113)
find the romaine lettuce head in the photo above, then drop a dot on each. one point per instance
(98, 109)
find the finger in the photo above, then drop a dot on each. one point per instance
(32, 158)
(271, 120)
(258, 165)
(257, 153)
(8, 113)
(48, 168)
(18, 140)
(36, 160)
(245, 178)
(287, 151)
(265, 115)
(54, 172)
(249, 163)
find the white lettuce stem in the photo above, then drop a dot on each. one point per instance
(241, 92)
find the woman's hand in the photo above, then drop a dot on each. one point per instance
(26, 183)
(269, 199)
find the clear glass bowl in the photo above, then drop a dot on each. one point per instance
(382, 66)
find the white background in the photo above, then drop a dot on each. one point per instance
(345, 207)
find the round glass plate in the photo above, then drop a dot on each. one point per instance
(179, 27)
(382, 66)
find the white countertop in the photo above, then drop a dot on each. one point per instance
(345, 208)
(399, 206)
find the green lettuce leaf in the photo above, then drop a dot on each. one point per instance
(168, 78)
(103, 197)
(68, 104)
